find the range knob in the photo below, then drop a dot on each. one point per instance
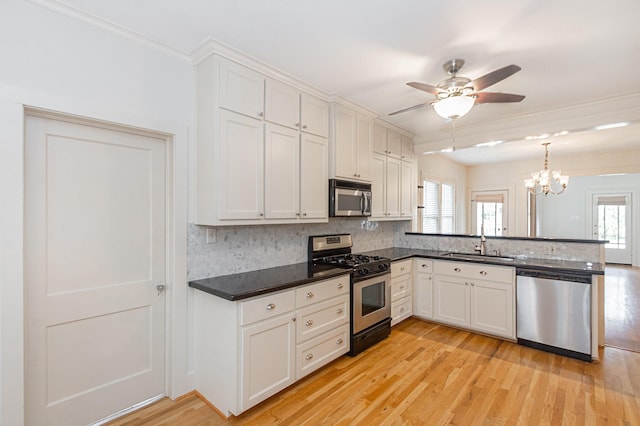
(365, 271)
(382, 266)
(360, 271)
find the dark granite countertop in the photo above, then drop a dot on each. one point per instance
(254, 283)
(519, 262)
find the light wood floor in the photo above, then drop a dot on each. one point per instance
(622, 307)
(426, 374)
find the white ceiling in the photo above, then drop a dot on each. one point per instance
(580, 59)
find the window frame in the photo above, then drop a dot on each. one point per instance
(440, 208)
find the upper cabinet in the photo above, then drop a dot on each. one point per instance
(261, 148)
(351, 144)
(288, 106)
(393, 182)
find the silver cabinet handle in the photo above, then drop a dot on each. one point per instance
(304, 214)
(339, 311)
(297, 124)
(297, 214)
(340, 285)
(309, 295)
(466, 283)
(483, 272)
(261, 114)
(260, 214)
(271, 306)
(456, 269)
(402, 286)
(424, 265)
(304, 126)
(308, 357)
(339, 341)
(402, 268)
(309, 323)
(473, 284)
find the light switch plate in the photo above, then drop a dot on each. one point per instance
(211, 235)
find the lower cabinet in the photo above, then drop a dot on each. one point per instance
(474, 296)
(247, 351)
(401, 290)
(423, 288)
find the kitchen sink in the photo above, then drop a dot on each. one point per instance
(474, 256)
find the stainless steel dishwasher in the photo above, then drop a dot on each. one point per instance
(554, 312)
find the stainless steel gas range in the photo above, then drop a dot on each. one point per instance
(370, 287)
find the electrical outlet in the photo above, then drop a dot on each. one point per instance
(211, 235)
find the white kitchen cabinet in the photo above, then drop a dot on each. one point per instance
(288, 106)
(386, 187)
(268, 358)
(261, 150)
(240, 89)
(407, 187)
(394, 144)
(386, 141)
(423, 288)
(314, 175)
(401, 290)
(351, 144)
(282, 172)
(475, 296)
(240, 189)
(407, 149)
(248, 350)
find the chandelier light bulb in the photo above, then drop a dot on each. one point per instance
(541, 182)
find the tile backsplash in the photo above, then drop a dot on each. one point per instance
(248, 248)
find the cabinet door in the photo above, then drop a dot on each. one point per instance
(282, 172)
(394, 144)
(314, 115)
(451, 300)
(378, 185)
(423, 296)
(393, 189)
(406, 190)
(314, 170)
(379, 138)
(240, 89)
(345, 142)
(407, 148)
(240, 167)
(492, 308)
(364, 152)
(400, 287)
(282, 104)
(268, 358)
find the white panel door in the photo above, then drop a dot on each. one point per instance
(611, 221)
(94, 254)
(314, 115)
(282, 104)
(393, 189)
(314, 159)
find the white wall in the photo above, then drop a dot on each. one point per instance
(440, 168)
(54, 62)
(511, 175)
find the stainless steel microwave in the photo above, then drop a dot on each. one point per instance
(347, 198)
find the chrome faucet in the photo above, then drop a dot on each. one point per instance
(481, 248)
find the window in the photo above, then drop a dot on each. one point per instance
(437, 201)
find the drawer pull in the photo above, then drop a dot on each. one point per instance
(271, 306)
(309, 295)
(483, 272)
(424, 265)
(402, 309)
(456, 269)
(309, 323)
(339, 311)
(466, 283)
(402, 268)
(308, 357)
(339, 342)
(402, 286)
(340, 285)
(473, 284)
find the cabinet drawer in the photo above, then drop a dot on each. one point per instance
(400, 310)
(400, 268)
(320, 351)
(321, 317)
(267, 306)
(321, 291)
(503, 274)
(400, 287)
(423, 265)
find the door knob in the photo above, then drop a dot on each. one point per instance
(160, 288)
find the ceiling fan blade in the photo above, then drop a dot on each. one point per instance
(424, 87)
(493, 77)
(493, 97)
(410, 108)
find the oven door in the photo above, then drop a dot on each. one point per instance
(371, 301)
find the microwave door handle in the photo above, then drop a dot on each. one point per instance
(364, 204)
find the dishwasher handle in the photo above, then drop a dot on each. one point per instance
(556, 276)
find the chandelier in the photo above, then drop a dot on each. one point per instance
(541, 182)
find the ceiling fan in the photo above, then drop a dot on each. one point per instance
(456, 95)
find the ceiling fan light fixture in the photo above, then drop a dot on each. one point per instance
(454, 106)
